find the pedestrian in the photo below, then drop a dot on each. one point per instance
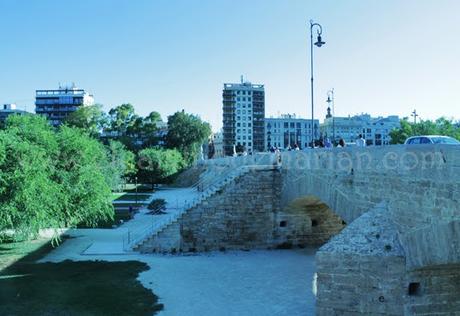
(361, 142)
(341, 143)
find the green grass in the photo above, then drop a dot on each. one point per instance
(72, 288)
(133, 204)
(141, 188)
(10, 252)
(131, 197)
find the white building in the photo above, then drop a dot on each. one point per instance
(9, 109)
(243, 116)
(288, 130)
(375, 130)
(57, 104)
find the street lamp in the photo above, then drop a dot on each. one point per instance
(319, 43)
(330, 99)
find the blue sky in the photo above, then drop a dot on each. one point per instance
(381, 57)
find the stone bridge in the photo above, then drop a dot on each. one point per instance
(394, 212)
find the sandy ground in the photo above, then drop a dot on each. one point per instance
(276, 282)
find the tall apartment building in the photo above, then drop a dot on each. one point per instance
(375, 130)
(243, 117)
(57, 104)
(288, 130)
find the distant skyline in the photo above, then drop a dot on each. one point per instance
(381, 57)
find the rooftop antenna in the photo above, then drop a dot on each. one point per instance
(242, 79)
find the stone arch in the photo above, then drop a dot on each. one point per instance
(306, 221)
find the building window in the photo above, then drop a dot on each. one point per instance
(238, 124)
(286, 125)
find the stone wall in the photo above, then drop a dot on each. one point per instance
(433, 291)
(307, 221)
(242, 215)
(362, 270)
(246, 214)
(420, 185)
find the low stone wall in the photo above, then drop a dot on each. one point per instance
(242, 215)
(362, 270)
(434, 291)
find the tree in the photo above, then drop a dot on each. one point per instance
(121, 165)
(80, 174)
(187, 133)
(150, 129)
(29, 198)
(134, 131)
(399, 135)
(122, 118)
(90, 118)
(157, 165)
(49, 178)
(441, 126)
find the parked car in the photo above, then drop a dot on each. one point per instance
(431, 139)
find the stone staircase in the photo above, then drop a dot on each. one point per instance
(211, 190)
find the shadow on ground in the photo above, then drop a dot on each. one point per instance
(74, 288)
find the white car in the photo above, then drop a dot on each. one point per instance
(431, 139)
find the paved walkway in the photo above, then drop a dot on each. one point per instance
(113, 241)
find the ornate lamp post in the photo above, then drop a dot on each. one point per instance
(319, 42)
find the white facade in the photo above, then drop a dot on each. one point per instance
(9, 109)
(288, 130)
(243, 116)
(375, 130)
(57, 104)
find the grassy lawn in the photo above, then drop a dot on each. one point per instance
(141, 188)
(133, 204)
(11, 252)
(71, 288)
(132, 197)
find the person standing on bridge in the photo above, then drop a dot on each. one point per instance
(360, 142)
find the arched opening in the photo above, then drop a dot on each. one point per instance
(307, 221)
